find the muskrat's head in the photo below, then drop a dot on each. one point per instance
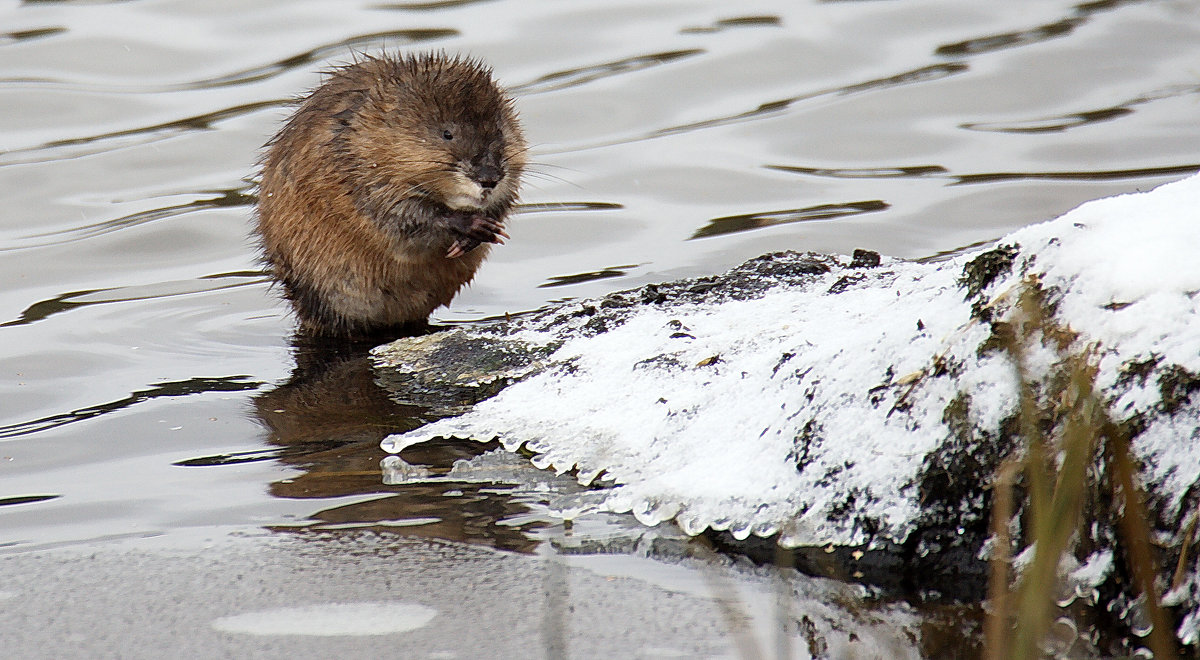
(433, 126)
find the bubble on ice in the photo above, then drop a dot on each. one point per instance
(330, 619)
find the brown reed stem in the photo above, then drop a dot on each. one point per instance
(1135, 531)
(997, 626)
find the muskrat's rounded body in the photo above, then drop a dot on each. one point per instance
(379, 196)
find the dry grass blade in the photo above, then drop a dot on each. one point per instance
(996, 627)
(1055, 514)
(1189, 535)
(1135, 532)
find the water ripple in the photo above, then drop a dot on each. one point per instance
(550, 207)
(944, 255)
(356, 43)
(579, 278)
(1079, 175)
(863, 172)
(1009, 39)
(583, 75)
(76, 147)
(167, 389)
(923, 74)
(937, 171)
(735, 22)
(1041, 33)
(427, 6)
(407, 37)
(1071, 120)
(231, 197)
(919, 75)
(26, 499)
(738, 223)
(258, 455)
(44, 309)
(83, 146)
(8, 38)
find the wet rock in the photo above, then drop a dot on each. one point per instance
(449, 371)
(864, 259)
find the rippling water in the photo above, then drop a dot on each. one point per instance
(141, 347)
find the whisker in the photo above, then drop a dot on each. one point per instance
(544, 177)
(533, 185)
(550, 177)
(534, 163)
(523, 150)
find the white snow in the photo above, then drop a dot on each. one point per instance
(717, 443)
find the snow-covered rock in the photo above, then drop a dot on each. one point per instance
(841, 401)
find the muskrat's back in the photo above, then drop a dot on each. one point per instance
(380, 195)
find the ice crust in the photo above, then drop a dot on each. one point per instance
(812, 409)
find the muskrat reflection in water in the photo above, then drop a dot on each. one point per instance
(380, 196)
(326, 423)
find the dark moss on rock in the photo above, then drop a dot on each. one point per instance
(1176, 386)
(845, 282)
(807, 444)
(954, 489)
(1137, 371)
(980, 272)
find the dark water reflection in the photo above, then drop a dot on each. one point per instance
(327, 421)
(8, 37)
(748, 221)
(737, 22)
(1060, 28)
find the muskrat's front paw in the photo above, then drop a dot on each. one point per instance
(472, 230)
(460, 247)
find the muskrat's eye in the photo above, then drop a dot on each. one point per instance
(447, 135)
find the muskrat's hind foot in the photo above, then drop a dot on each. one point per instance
(473, 229)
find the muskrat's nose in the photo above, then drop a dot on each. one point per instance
(487, 176)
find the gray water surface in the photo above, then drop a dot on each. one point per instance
(142, 350)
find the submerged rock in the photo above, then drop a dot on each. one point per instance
(860, 402)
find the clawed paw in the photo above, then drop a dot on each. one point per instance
(460, 247)
(473, 229)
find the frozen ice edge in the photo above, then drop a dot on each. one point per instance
(817, 406)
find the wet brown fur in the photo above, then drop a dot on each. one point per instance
(362, 191)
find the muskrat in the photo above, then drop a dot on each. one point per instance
(381, 194)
